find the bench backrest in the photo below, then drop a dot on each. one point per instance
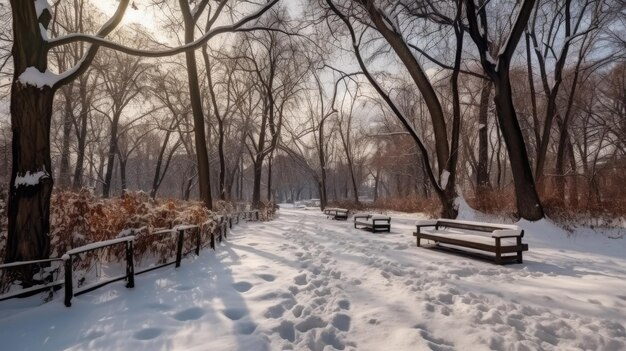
(475, 226)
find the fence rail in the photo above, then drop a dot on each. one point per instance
(67, 260)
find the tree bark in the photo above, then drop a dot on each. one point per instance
(108, 177)
(202, 153)
(482, 170)
(68, 116)
(31, 113)
(528, 202)
(81, 134)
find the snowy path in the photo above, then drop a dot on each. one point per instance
(304, 282)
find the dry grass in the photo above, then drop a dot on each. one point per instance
(409, 204)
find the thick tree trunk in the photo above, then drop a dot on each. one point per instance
(528, 203)
(202, 153)
(31, 176)
(256, 187)
(31, 113)
(269, 176)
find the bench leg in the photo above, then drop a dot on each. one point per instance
(418, 241)
(498, 252)
(519, 253)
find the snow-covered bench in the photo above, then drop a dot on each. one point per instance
(373, 222)
(496, 238)
(336, 213)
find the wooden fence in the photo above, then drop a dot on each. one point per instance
(50, 269)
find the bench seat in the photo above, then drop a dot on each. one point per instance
(489, 237)
(374, 223)
(336, 213)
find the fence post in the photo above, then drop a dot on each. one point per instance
(230, 221)
(69, 293)
(221, 229)
(130, 266)
(198, 241)
(179, 247)
(212, 233)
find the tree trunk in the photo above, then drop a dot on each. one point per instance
(202, 153)
(322, 157)
(482, 172)
(528, 203)
(376, 183)
(156, 180)
(64, 166)
(81, 136)
(123, 175)
(31, 176)
(108, 177)
(269, 176)
(256, 187)
(31, 113)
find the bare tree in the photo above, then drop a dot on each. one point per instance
(32, 97)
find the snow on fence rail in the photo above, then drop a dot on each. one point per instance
(48, 270)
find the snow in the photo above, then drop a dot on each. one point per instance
(29, 178)
(445, 175)
(40, 6)
(100, 244)
(379, 216)
(304, 282)
(33, 76)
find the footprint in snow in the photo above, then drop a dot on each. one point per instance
(234, 314)
(275, 312)
(286, 331)
(344, 304)
(147, 333)
(189, 314)
(435, 344)
(300, 279)
(245, 327)
(242, 286)
(311, 322)
(341, 321)
(267, 277)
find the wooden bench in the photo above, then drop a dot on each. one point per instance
(336, 213)
(374, 223)
(495, 238)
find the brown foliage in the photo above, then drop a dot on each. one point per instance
(410, 204)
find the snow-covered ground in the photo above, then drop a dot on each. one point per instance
(305, 282)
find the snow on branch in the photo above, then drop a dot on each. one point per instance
(33, 76)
